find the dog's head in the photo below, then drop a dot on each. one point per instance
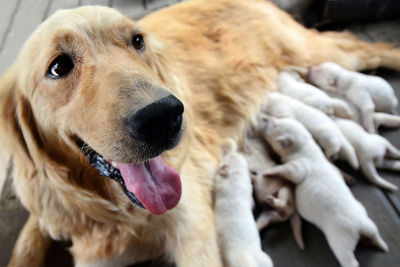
(325, 76)
(90, 80)
(285, 135)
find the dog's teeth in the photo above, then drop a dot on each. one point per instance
(114, 164)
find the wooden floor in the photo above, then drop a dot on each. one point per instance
(18, 18)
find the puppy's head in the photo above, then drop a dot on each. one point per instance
(91, 79)
(325, 76)
(285, 135)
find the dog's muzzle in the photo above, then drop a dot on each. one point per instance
(158, 123)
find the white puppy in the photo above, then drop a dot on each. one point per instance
(372, 151)
(322, 197)
(290, 83)
(322, 128)
(368, 93)
(238, 237)
(273, 191)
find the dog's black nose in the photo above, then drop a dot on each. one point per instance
(157, 122)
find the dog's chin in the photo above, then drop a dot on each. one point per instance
(145, 178)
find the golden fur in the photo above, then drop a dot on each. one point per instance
(220, 58)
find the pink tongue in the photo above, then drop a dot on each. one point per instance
(154, 183)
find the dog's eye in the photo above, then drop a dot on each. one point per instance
(60, 66)
(138, 42)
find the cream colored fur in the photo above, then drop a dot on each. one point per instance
(221, 58)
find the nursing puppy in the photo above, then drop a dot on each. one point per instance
(238, 237)
(372, 150)
(322, 128)
(275, 192)
(322, 197)
(368, 93)
(255, 151)
(290, 83)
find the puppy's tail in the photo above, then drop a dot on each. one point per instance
(370, 231)
(386, 120)
(295, 222)
(341, 109)
(371, 174)
(347, 152)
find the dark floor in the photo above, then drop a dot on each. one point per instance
(20, 17)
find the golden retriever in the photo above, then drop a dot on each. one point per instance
(92, 84)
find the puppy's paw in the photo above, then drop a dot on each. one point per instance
(270, 173)
(270, 199)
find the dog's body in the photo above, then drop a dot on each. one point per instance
(368, 93)
(238, 237)
(372, 150)
(322, 196)
(200, 52)
(318, 123)
(291, 84)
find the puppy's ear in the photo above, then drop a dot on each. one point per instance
(332, 81)
(285, 141)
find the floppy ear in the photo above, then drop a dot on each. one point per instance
(284, 141)
(18, 128)
(33, 163)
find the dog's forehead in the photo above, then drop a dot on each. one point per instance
(93, 24)
(97, 16)
(96, 22)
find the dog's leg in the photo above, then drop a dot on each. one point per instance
(280, 202)
(329, 142)
(367, 112)
(31, 246)
(267, 217)
(370, 172)
(348, 153)
(341, 108)
(194, 240)
(198, 252)
(387, 120)
(321, 104)
(293, 171)
(342, 244)
(295, 222)
(392, 151)
(363, 101)
(389, 164)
